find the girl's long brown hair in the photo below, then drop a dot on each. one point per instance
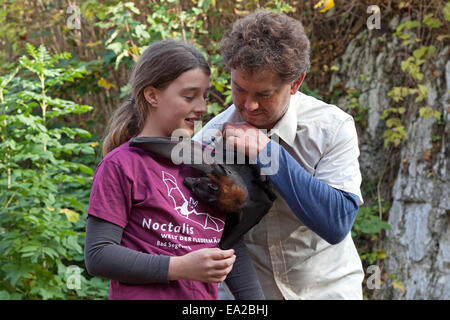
(159, 65)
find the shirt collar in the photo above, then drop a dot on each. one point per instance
(286, 127)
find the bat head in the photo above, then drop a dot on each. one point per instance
(218, 190)
(204, 188)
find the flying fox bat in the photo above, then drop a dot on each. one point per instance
(235, 189)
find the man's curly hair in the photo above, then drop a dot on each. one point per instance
(266, 40)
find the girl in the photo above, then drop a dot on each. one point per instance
(137, 234)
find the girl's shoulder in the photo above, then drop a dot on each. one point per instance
(123, 151)
(126, 156)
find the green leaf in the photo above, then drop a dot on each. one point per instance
(419, 53)
(408, 25)
(15, 272)
(87, 149)
(48, 292)
(131, 6)
(85, 169)
(142, 33)
(422, 93)
(214, 108)
(31, 50)
(71, 215)
(432, 22)
(50, 252)
(431, 50)
(4, 295)
(381, 254)
(6, 79)
(116, 47)
(72, 243)
(428, 112)
(446, 11)
(30, 248)
(112, 37)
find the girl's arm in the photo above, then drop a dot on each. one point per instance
(105, 257)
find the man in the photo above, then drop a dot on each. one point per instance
(302, 249)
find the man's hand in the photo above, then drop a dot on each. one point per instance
(245, 138)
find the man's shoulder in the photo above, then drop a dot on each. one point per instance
(310, 109)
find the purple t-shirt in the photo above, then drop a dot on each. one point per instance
(145, 195)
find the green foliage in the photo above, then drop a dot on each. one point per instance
(395, 133)
(128, 37)
(371, 257)
(413, 63)
(431, 22)
(358, 111)
(412, 66)
(368, 225)
(307, 90)
(428, 112)
(123, 32)
(406, 35)
(279, 6)
(47, 162)
(43, 187)
(368, 222)
(446, 11)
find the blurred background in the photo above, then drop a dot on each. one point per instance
(64, 68)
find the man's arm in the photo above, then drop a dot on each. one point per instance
(327, 211)
(319, 202)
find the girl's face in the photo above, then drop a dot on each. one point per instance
(178, 105)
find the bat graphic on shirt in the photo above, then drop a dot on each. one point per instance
(186, 208)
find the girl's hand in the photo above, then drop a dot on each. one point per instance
(205, 265)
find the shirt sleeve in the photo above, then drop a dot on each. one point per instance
(327, 211)
(105, 257)
(339, 166)
(110, 197)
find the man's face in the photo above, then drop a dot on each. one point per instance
(262, 97)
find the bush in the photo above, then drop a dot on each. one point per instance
(44, 188)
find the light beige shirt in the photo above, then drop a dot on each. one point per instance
(292, 262)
